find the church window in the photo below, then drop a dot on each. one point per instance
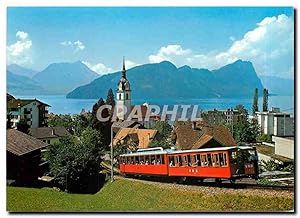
(126, 96)
(119, 96)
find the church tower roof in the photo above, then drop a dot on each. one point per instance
(124, 70)
(123, 84)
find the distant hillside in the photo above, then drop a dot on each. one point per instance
(277, 85)
(22, 85)
(64, 77)
(22, 71)
(165, 80)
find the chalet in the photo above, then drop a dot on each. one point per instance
(142, 137)
(195, 136)
(23, 155)
(50, 135)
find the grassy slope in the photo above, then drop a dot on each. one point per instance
(124, 195)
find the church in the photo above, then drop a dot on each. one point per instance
(124, 106)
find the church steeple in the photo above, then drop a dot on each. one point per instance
(123, 95)
(124, 70)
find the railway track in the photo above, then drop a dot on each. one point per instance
(240, 184)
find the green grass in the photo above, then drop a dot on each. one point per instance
(125, 195)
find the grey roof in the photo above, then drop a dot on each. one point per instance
(20, 143)
(48, 132)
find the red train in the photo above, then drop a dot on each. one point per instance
(219, 163)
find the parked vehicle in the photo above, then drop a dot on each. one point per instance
(219, 163)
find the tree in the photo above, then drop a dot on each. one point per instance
(255, 102)
(74, 163)
(242, 110)
(110, 99)
(80, 122)
(9, 123)
(103, 127)
(23, 126)
(163, 137)
(245, 130)
(62, 120)
(125, 147)
(265, 100)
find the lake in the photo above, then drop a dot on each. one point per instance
(61, 105)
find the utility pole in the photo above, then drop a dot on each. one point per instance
(111, 154)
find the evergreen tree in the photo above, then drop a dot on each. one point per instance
(110, 99)
(255, 102)
(265, 100)
(102, 127)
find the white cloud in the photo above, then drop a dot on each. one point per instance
(170, 53)
(78, 45)
(19, 52)
(269, 47)
(22, 35)
(99, 68)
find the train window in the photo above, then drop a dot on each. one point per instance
(177, 161)
(162, 159)
(225, 159)
(147, 160)
(215, 160)
(203, 160)
(152, 159)
(142, 160)
(221, 158)
(184, 161)
(198, 159)
(193, 160)
(171, 161)
(209, 160)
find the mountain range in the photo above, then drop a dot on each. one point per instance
(57, 78)
(165, 80)
(159, 80)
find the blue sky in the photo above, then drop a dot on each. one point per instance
(199, 37)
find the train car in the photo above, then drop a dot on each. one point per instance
(152, 161)
(219, 163)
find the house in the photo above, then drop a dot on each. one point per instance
(142, 137)
(276, 123)
(199, 135)
(215, 117)
(50, 135)
(23, 155)
(9, 97)
(32, 111)
(284, 146)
